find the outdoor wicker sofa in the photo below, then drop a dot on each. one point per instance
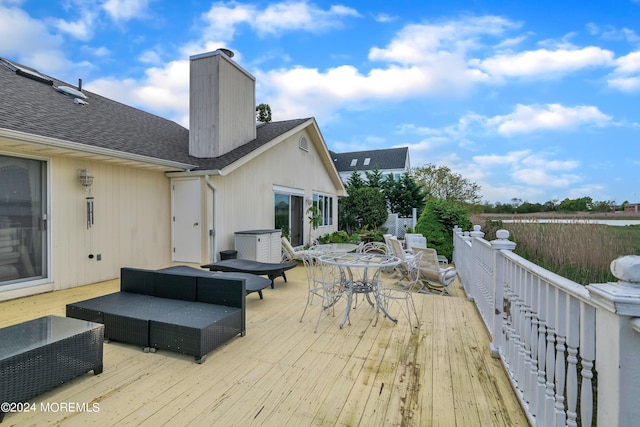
(181, 309)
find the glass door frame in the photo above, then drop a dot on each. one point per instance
(290, 193)
(44, 223)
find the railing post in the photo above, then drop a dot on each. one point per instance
(618, 344)
(499, 265)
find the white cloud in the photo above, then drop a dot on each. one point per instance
(532, 118)
(628, 64)
(532, 174)
(288, 16)
(626, 76)
(383, 18)
(165, 89)
(420, 44)
(99, 52)
(505, 160)
(126, 10)
(28, 41)
(543, 63)
(223, 18)
(150, 57)
(81, 29)
(543, 178)
(494, 193)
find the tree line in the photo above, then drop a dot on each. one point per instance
(443, 199)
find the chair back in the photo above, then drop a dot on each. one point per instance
(386, 240)
(429, 257)
(373, 248)
(415, 240)
(396, 248)
(288, 250)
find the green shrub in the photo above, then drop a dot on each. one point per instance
(339, 237)
(437, 221)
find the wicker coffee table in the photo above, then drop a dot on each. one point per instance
(40, 354)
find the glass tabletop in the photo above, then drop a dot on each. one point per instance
(20, 338)
(360, 260)
(335, 248)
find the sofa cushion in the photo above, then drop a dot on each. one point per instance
(215, 289)
(137, 280)
(175, 286)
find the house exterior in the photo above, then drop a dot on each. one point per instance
(393, 161)
(89, 185)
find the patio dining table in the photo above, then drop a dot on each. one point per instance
(361, 272)
(328, 248)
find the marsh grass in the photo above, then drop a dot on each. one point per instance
(579, 251)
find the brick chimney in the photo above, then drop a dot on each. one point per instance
(222, 104)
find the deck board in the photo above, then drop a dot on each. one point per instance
(283, 374)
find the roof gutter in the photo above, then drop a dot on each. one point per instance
(75, 146)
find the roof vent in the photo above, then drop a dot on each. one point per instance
(79, 101)
(69, 91)
(303, 144)
(226, 52)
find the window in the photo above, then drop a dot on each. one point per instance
(354, 162)
(367, 161)
(324, 204)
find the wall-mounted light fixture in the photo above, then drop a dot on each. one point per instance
(85, 178)
(308, 201)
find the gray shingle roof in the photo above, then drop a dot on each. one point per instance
(384, 159)
(34, 107)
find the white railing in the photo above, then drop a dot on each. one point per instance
(571, 351)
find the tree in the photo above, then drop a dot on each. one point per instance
(355, 180)
(403, 194)
(440, 182)
(263, 113)
(374, 177)
(576, 205)
(364, 207)
(437, 221)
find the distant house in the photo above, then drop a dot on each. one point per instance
(393, 161)
(89, 185)
(632, 207)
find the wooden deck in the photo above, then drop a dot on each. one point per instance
(282, 374)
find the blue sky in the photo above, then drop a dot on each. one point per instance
(531, 100)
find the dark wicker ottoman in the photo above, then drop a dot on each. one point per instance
(196, 329)
(124, 314)
(40, 354)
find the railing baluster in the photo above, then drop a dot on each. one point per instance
(525, 328)
(587, 356)
(573, 340)
(542, 350)
(561, 316)
(550, 402)
(533, 338)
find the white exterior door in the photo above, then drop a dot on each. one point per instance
(187, 224)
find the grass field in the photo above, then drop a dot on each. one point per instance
(579, 251)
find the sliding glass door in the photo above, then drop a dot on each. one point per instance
(288, 217)
(23, 220)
